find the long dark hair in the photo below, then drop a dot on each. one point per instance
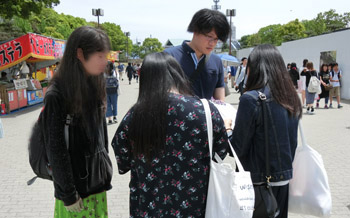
(267, 68)
(321, 68)
(83, 94)
(160, 73)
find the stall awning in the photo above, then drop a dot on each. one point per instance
(30, 47)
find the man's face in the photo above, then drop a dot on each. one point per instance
(335, 68)
(205, 43)
(245, 62)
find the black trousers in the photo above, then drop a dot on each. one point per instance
(281, 194)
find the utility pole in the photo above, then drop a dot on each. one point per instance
(231, 13)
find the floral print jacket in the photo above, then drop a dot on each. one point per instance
(176, 183)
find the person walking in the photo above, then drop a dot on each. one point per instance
(82, 172)
(310, 97)
(325, 85)
(267, 75)
(121, 71)
(204, 69)
(241, 79)
(163, 141)
(232, 76)
(112, 86)
(130, 71)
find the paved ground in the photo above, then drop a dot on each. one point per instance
(328, 132)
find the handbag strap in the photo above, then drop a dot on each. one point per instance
(262, 98)
(303, 140)
(210, 135)
(209, 126)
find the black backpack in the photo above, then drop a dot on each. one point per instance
(37, 149)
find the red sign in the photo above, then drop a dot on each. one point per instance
(24, 47)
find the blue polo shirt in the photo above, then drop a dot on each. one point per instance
(212, 75)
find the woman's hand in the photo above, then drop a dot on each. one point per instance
(76, 207)
(228, 124)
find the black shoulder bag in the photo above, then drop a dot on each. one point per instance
(265, 202)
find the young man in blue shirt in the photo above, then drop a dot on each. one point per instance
(208, 26)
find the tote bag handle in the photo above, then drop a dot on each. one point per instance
(210, 135)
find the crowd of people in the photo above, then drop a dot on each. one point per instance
(162, 140)
(329, 77)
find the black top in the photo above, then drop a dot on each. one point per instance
(86, 168)
(176, 183)
(295, 77)
(308, 75)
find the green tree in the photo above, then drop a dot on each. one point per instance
(244, 41)
(270, 34)
(292, 31)
(333, 20)
(254, 40)
(118, 39)
(151, 45)
(9, 30)
(136, 51)
(24, 8)
(314, 27)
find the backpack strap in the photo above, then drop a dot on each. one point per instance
(69, 121)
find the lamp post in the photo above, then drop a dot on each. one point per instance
(216, 6)
(127, 34)
(231, 13)
(98, 12)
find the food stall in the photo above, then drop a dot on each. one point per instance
(29, 60)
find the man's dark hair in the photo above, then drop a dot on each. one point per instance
(244, 58)
(205, 20)
(335, 64)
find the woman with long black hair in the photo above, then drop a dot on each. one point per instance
(324, 76)
(82, 170)
(268, 75)
(163, 141)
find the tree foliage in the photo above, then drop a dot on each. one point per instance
(150, 45)
(24, 8)
(276, 34)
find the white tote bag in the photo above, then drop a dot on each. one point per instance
(309, 191)
(230, 193)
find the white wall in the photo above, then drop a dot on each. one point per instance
(311, 48)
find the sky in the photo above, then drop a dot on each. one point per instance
(168, 19)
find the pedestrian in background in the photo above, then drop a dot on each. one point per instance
(121, 71)
(324, 79)
(302, 82)
(241, 78)
(82, 172)
(232, 76)
(163, 141)
(267, 73)
(112, 86)
(130, 71)
(203, 68)
(294, 74)
(310, 97)
(335, 76)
